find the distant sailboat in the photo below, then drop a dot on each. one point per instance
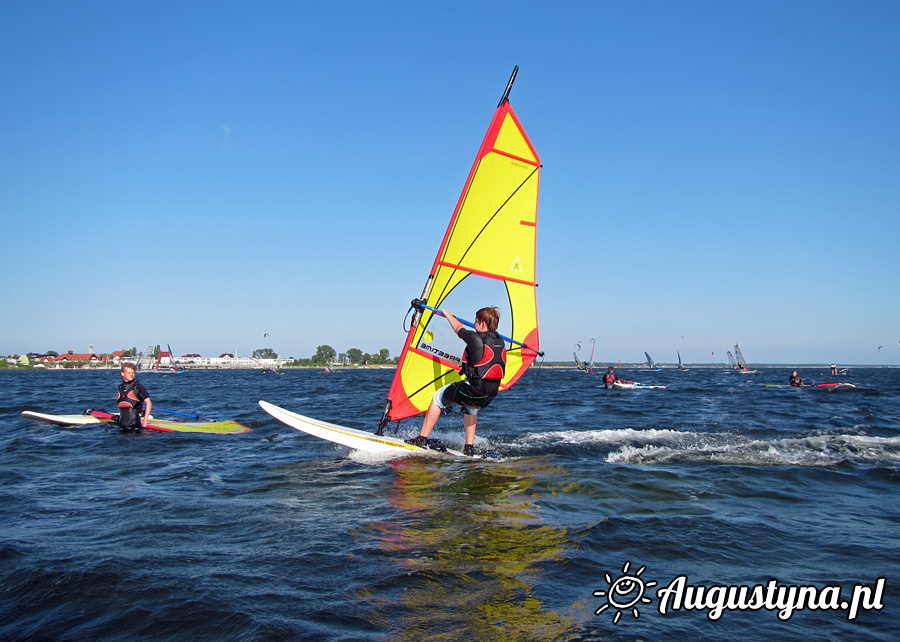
(155, 364)
(741, 362)
(681, 365)
(731, 361)
(578, 362)
(584, 365)
(139, 365)
(173, 367)
(650, 363)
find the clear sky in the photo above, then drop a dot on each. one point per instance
(204, 173)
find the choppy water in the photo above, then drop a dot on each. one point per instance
(276, 535)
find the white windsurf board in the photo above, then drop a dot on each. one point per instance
(62, 420)
(350, 437)
(633, 385)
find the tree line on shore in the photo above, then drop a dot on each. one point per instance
(325, 356)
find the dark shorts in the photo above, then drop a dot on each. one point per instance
(461, 393)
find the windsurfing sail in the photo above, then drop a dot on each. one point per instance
(140, 366)
(578, 362)
(649, 360)
(266, 368)
(741, 362)
(172, 365)
(487, 257)
(680, 365)
(731, 362)
(590, 368)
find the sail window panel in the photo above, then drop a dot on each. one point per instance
(446, 278)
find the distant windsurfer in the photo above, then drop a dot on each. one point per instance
(483, 364)
(609, 378)
(834, 369)
(796, 381)
(132, 395)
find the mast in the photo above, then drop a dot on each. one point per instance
(509, 85)
(499, 199)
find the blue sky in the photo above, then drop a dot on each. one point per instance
(200, 173)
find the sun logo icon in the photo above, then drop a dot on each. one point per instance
(626, 592)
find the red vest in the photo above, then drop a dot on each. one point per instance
(128, 395)
(493, 361)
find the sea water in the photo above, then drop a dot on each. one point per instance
(684, 513)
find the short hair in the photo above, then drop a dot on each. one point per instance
(128, 364)
(490, 317)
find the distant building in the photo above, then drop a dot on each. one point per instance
(73, 359)
(165, 359)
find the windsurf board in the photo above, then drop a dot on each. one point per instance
(63, 420)
(634, 385)
(349, 437)
(840, 384)
(161, 425)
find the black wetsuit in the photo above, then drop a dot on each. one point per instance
(129, 401)
(484, 364)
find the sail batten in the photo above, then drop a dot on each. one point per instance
(486, 257)
(492, 275)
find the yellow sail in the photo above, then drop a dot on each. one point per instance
(488, 250)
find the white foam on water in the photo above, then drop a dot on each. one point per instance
(379, 457)
(814, 450)
(582, 437)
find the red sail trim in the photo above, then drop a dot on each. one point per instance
(527, 161)
(531, 338)
(490, 275)
(401, 407)
(494, 131)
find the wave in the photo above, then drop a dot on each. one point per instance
(817, 450)
(655, 446)
(592, 437)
